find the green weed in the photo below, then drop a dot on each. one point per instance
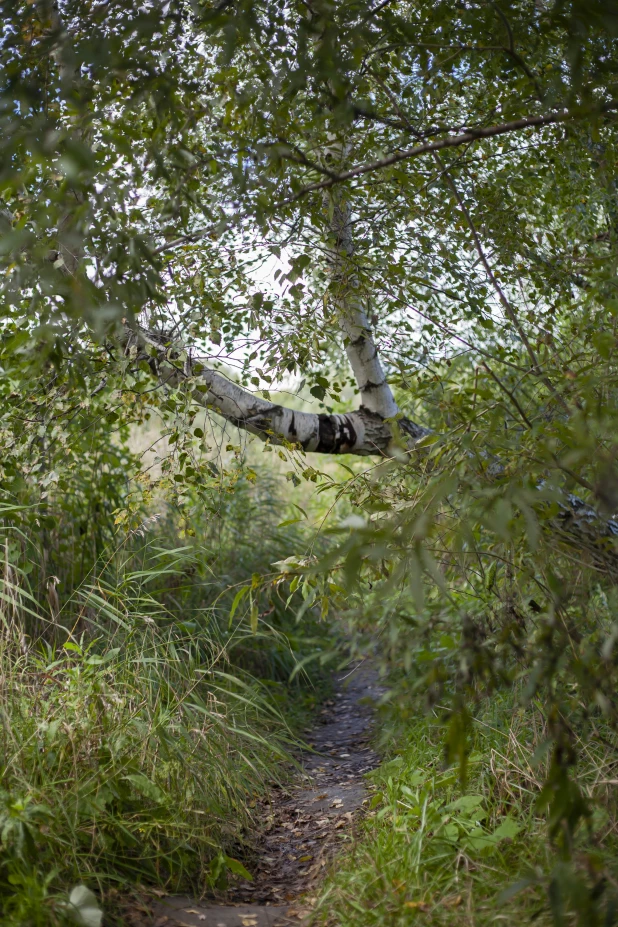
(139, 729)
(431, 852)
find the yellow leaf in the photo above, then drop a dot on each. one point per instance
(416, 905)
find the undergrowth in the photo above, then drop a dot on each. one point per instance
(140, 721)
(433, 851)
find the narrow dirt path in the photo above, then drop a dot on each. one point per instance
(304, 823)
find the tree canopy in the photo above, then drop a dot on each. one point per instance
(406, 214)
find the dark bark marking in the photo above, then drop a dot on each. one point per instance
(327, 434)
(412, 429)
(335, 436)
(369, 385)
(348, 436)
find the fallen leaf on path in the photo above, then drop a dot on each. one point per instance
(297, 912)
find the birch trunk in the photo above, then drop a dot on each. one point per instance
(360, 347)
(363, 432)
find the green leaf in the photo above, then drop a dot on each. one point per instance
(509, 828)
(237, 868)
(146, 787)
(74, 648)
(242, 592)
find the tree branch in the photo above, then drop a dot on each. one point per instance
(452, 141)
(506, 304)
(363, 432)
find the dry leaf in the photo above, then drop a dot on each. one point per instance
(416, 905)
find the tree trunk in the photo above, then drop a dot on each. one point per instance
(363, 432)
(360, 347)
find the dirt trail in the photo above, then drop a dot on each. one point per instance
(304, 823)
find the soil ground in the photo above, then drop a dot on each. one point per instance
(303, 824)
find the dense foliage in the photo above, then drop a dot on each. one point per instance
(142, 723)
(180, 165)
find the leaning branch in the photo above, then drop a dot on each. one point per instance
(362, 432)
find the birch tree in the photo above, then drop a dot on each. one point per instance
(405, 211)
(159, 165)
(153, 157)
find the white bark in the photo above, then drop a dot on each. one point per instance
(363, 432)
(360, 347)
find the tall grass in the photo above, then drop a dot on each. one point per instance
(139, 724)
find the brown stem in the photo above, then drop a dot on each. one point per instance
(508, 392)
(453, 141)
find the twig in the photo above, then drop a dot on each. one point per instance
(453, 141)
(506, 304)
(511, 396)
